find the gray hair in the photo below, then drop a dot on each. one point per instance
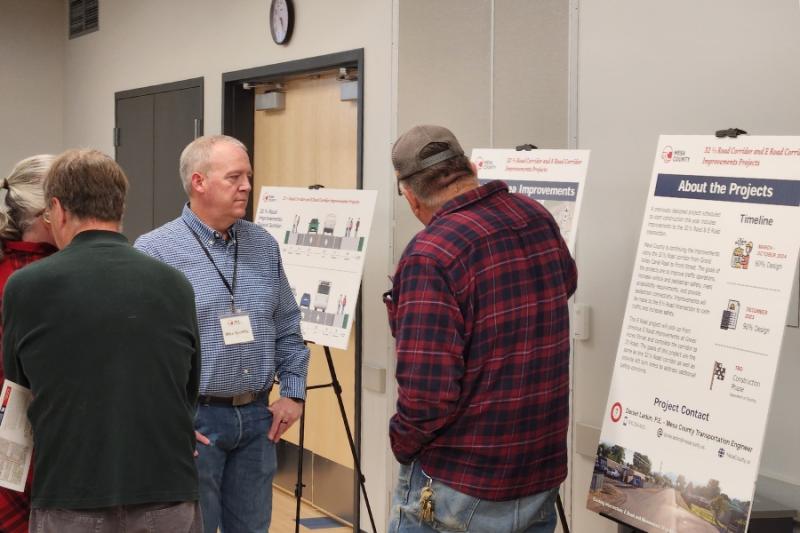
(194, 157)
(22, 196)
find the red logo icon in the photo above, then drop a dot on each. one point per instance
(616, 412)
(666, 154)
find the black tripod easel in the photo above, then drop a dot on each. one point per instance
(337, 389)
(298, 490)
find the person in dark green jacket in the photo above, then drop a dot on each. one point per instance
(106, 339)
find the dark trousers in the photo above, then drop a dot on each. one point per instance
(181, 517)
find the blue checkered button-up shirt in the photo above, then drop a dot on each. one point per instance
(262, 291)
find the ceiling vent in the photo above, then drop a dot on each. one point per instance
(83, 17)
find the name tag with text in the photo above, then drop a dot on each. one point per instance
(236, 328)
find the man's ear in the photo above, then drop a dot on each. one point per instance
(198, 182)
(57, 212)
(412, 200)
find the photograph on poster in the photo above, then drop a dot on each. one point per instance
(701, 335)
(322, 234)
(554, 178)
(634, 486)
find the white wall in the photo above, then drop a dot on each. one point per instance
(32, 36)
(149, 42)
(679, 67)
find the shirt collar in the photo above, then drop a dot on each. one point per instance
(98, 236)
(202, 230)
(470, 197)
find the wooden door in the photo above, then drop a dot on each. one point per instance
(313, 141)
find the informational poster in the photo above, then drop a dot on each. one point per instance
(687, 409)
(323, 235)
(554, 178)
(16, 436)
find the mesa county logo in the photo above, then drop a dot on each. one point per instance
(670, 155)
(484, 164)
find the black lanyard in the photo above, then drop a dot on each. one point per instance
(230, 286)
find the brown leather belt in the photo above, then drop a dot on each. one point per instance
(234, 401)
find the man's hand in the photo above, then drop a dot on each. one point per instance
(202, 439)
(285, 412)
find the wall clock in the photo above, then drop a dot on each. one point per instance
(281, 20)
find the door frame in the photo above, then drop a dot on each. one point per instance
(238, 120)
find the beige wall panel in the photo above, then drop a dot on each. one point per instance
(32, 34)
(531, 67)
(313, 141)
(444, 78)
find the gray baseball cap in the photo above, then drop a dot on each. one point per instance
(406, 150)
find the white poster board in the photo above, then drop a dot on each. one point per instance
(554, 178)
(323, 236)
(16, 436)
(687, 409)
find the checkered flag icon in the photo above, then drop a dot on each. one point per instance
(719, 371)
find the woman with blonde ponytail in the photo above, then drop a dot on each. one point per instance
(25, 237)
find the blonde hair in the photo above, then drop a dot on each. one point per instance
(22, 196)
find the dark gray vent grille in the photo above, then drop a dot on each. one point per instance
(83, 17)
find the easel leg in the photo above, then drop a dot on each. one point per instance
(561, 514)
(338, 390)
(298, 488)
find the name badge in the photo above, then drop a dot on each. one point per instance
(236, 328)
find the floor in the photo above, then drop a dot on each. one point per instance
(283, 514)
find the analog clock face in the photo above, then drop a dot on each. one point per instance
(281, 15)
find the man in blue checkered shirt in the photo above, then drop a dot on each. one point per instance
(249, 330)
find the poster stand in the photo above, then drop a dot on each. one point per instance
(298, 491)
(720, 134)
(559, 504)
(337, 389)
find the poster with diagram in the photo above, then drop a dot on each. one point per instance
(323, 236)
(554, 178)
(684, 426)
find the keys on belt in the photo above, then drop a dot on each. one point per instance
(234, 401)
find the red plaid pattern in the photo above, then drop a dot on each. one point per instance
(480, 318)
(15, 507)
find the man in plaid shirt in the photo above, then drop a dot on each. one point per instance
(479, 313)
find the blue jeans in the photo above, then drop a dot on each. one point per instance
(236, 469)
(455, 511)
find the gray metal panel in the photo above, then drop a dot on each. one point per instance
(334, 485)
(135, 156)
(286, 473)
(175, 116)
